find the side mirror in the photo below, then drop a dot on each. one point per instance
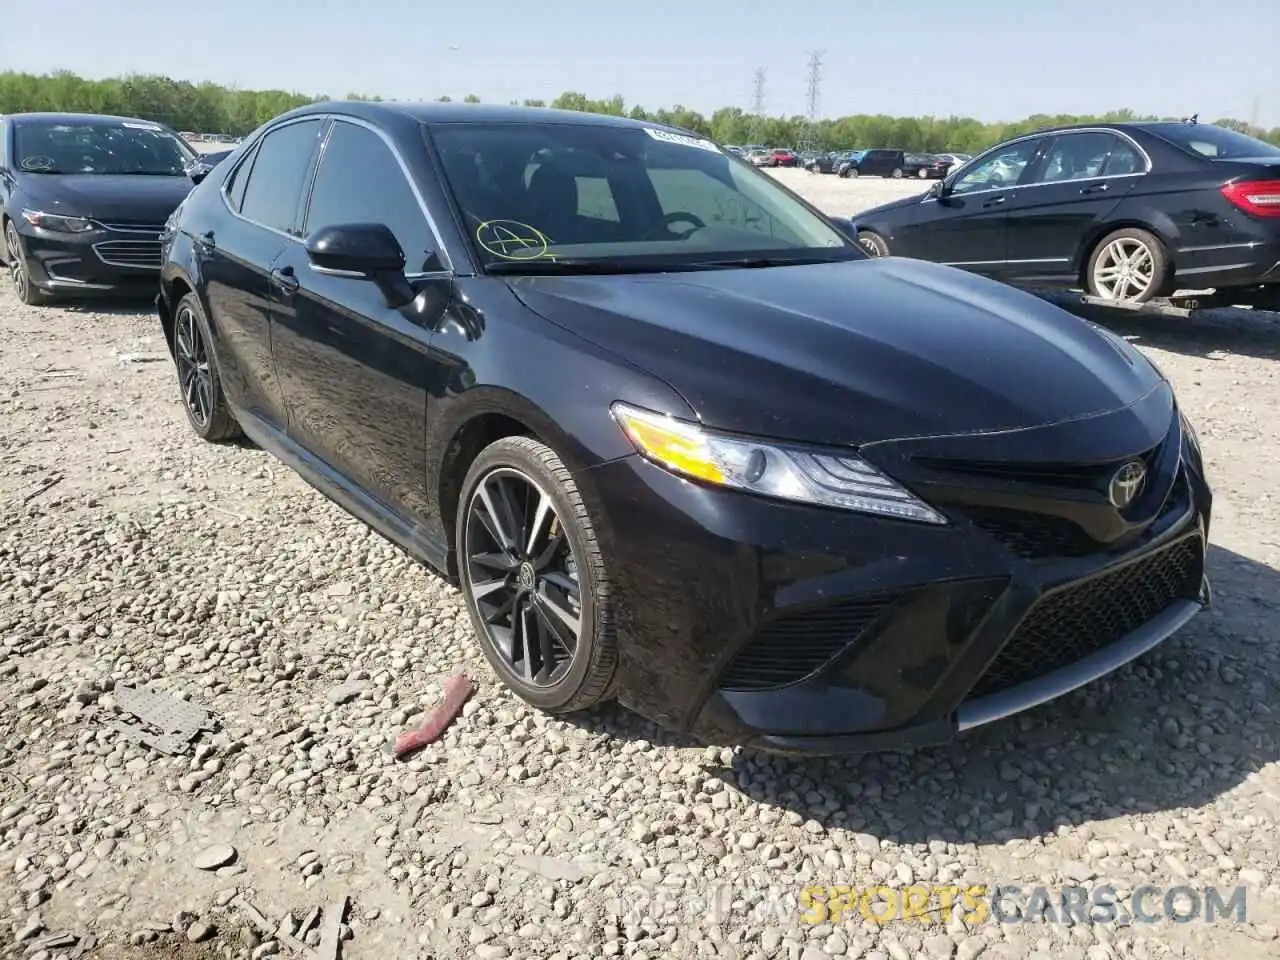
(365, 251)
(364, 248)
(938, 189)
(845, 225)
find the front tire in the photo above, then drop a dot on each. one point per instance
(873, 243)
(19, 272)
(1129, 266)
(199, 382)
(534, 578)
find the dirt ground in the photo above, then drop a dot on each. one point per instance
(131, 553)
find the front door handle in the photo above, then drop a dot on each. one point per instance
(285, 280)
(1096, 188)
(995, 202)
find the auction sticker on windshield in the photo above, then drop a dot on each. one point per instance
(681, 139)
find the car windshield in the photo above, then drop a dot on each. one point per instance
(108, 147)
(542, 195)
(1218, 143)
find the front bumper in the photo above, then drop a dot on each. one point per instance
(124, 259)
(800, 630)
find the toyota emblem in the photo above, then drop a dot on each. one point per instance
(1126, 484)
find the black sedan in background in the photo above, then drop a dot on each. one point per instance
(678, 439)
(83, 199)
(1129, 211)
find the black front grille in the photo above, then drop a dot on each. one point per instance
(1082, 618)
(1032, 535)
(792, 647)
(1075, 476)
(129, 253)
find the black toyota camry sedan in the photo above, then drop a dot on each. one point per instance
(677, 438)
(1128, 211)
(82, 201)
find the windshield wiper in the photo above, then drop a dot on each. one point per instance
(748, 263)
(569, 266)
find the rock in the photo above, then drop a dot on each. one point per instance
(214, 857)
(200, 931)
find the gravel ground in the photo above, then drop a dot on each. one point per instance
(215, 573)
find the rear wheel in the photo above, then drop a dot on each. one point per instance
(873, 243)
(534, 578)
(1129, 265)
(19, 272)
(897, 173)
(923, 174)
(199, 384)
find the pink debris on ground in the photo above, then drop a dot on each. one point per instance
(456, 691)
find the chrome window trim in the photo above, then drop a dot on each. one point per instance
(1146, 157)
(222, 190)
(395, 152)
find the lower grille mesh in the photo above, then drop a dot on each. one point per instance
(790, 648)
(1083, 618)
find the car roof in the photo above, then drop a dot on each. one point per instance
(73, 118)
(436, 112)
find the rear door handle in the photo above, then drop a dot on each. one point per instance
(996, 201)
(1096, 188)
(284, 280)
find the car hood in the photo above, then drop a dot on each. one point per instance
(853, 352)
(891, 205)
(114, 199)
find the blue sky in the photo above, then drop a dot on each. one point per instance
(992, 59)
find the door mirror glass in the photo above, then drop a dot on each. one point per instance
(363, 248)
(937, 189)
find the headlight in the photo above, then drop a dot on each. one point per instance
(58, 223)
(824, 478)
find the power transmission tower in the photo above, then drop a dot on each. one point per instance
(809, 137)
(757, 103)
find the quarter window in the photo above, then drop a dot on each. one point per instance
(1124, 159)
(360, 181)
(239, 180)
(279, 172)
(1001, 169)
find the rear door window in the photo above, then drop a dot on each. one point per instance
(279, 173)
(1077, 156)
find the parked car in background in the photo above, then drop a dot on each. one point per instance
(925, 166)
(784, 157)
(199, 167)
(878, 163)
(823, 162)
(955, 160)
(761, 157)
(1129, 211)
(83, 199)
(390, 298)
(846, 161)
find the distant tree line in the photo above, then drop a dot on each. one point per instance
(211, 108)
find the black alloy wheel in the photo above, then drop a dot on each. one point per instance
(19, 274)
(531, 571)
(198, 381)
